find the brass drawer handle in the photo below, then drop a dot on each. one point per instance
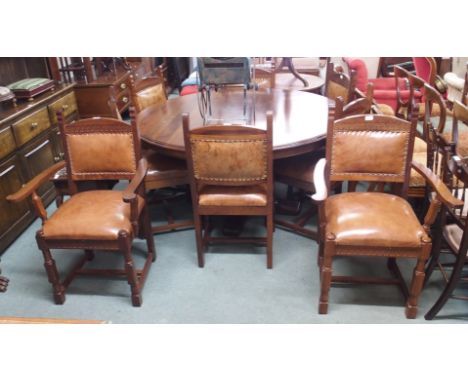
(34, 125)
(124, 99)
(123, 85)
(65, 107)
(56, 159)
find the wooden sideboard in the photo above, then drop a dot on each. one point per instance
(29, 143)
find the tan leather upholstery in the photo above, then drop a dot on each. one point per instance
(422, 110)
(420, 146)
(91, 215)
(416, 179)
(243, 159)
(154, 95)
(336, 90)
(163, 167)
(362, 154)
(101, 153)
(386, 109)
(372, 219)
(232, 196)
(462, 146)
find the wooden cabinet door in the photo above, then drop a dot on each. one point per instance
(36, 157)
(14, 217)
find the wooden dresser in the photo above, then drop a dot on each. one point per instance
(29, 143)
(93, 97)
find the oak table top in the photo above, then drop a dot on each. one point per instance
(299, 120)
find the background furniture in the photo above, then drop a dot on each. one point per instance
(231, 171)
(372, 223)
(160, 127)
(29, 143)
(453, 230)
(95, 220)
(457, 86)
(163, 171)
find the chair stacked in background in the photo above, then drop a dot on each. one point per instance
(163, 171)
(100, 219)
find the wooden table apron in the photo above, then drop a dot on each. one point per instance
(299, 122)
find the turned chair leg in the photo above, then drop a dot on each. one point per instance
(415, 289)
(199, 240)
(53, 276)
(269, 247)
(326, 274)
(132, 278)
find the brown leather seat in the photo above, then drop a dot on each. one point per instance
(91, 215)
(232, 196)
(164, 168)
(372, 219)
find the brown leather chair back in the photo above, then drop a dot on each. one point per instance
(339, 84)
(372, 148)
(230, 155)
(148, 92)
(99, 149)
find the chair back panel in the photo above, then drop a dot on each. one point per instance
(339, 84)
(234, 155)
(148, 92)
(101, 148)
(371, 148)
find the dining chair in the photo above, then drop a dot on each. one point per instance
(374, 149)
(453, 237)
(104, 220)
(231, 173)
(163, 171)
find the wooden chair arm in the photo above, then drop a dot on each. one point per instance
(30, 187)
(442, 191)
(129, 193)
(321, 192)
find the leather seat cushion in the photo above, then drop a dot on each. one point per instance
(239, 196)
(420, 146)
(372, 219)
(462, 145)
(164, 167)
(386, 109)
(300, 167)
(416, 179)
(91, 215)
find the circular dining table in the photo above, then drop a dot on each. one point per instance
(299, 119)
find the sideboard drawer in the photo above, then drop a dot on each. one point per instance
(7, 142)
(67, 103)
(31, 126)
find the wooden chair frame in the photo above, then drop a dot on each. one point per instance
(457, 182)
(202, 227)
(139, 219)
(329, 248)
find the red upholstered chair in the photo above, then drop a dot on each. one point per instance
(385, 92)
(426, 68)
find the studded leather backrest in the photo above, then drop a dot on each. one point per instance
(370, 148)
(339, 84)
(233, 155)
(148, 92)
(101, 148)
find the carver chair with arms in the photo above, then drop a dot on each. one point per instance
(96, 149)
(231, 173)
(374, 149)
